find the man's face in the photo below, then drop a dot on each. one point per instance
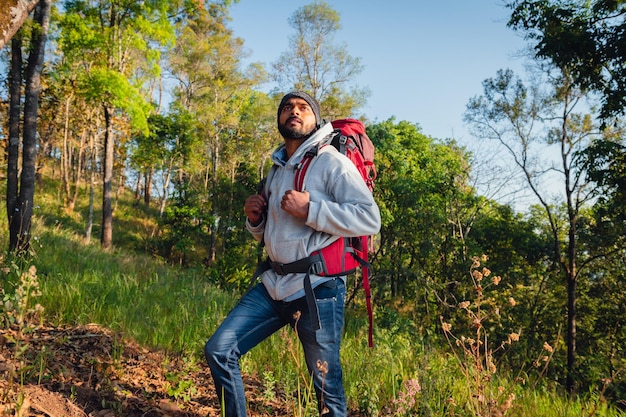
(296, 119)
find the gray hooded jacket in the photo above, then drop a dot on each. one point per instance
(340, 205)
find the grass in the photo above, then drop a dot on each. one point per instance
(155, 304)
(177, 310)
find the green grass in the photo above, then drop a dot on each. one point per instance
(176, 310)
(157, 305)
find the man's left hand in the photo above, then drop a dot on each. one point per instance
(296, 203)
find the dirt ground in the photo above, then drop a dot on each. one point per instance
(88, 371)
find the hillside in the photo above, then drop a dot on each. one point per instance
(90, 370)
(69, 366)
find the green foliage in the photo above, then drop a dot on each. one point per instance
(512, 240)
(421, 190)
(605, 163)
(110, 86)
(176, 310)
(18, 307)
(184, 225)
(583, 38)
(151, 150)
(102, 45)
(188, 223)
(20, 314)
(181, 387)
(269, 386)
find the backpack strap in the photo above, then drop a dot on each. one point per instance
(262, 264)
(310, 265)
(302, 167)
(365, 272)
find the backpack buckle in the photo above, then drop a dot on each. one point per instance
(317, 268)
(278, 268)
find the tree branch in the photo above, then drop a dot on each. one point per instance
(13, 14)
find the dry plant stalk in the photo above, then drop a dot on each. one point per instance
(475, 354)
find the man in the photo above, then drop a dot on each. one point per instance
(336, 202)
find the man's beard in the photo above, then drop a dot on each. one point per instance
(290, 133)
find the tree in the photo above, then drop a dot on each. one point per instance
(587, 37)
(605, 163)
(421, 191)
(20, 202)
(13, 14)
(73, 122)
(117, 41)
(211, 86)
(149, 153)
(315, 64)
(605, 239)
(531, 124)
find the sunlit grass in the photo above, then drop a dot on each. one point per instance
(157, 305)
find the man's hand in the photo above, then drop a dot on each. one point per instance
(254, 208)
(296, 203)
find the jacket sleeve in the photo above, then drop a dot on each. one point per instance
(258, 230)
(340, 202)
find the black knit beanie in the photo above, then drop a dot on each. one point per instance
(304, 96)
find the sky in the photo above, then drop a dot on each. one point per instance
(423, 59)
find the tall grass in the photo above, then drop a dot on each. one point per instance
(176, 310)
(157, 305)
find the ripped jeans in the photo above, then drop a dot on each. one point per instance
(257, 316)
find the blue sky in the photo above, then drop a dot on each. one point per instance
(423, 59)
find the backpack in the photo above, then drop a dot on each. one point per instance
(345, 255)
(351, 140)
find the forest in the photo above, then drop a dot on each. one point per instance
(102, 98)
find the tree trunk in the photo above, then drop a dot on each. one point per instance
(13, 146)
(138, 187)
(120, 187)
(214, 221)
(106, 238)
(65, 155)
(571, 275)
(571, 334)
(90, 211)
(92, 185)
(148, 186)
(79, 171)
(23, 207)
(166, 185)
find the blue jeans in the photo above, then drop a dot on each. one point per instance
(255, 317)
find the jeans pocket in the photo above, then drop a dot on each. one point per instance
(329, 289)
(330, 304)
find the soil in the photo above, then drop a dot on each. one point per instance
(89, 371)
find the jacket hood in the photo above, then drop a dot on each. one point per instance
(316, 138)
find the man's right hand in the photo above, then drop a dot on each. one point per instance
(254, 208)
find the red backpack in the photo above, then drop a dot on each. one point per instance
(345, 255)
